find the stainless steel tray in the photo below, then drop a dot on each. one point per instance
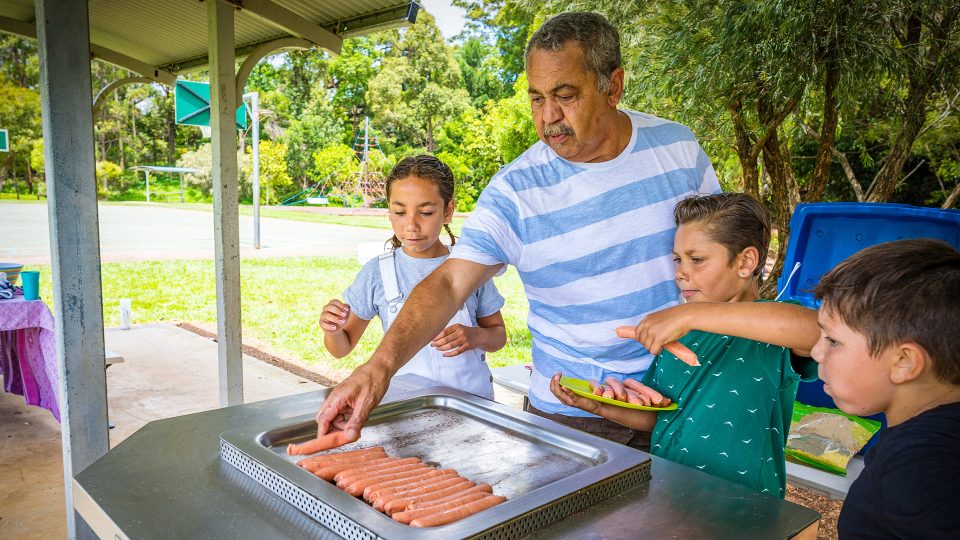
(546, 470)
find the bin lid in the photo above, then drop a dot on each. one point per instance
(823, 234)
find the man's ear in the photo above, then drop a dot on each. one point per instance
(615, 92)
(907, 362)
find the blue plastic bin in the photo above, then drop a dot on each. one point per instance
(823, 234)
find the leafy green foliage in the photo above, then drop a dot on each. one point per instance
(273, 170)
(417, 88)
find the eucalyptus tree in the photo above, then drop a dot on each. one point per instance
(418, 86)
(751, 78)
(506, 24)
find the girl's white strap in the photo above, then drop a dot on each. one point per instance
(388, 274)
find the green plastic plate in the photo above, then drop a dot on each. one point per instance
(582, 388)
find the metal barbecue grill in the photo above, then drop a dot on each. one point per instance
(547, 471)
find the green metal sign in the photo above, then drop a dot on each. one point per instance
(4, 141)
(192, 105)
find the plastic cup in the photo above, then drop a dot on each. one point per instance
(31, 284)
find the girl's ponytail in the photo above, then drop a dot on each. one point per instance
(453, 239)
(395, 242)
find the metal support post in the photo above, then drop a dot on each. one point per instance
(255, 145)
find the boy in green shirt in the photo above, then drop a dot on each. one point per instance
(734, 409)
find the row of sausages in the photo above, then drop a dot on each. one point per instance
(406, 489)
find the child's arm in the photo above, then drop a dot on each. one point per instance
(489, 335)
(631, 418)
(342, 329)
(787, 325)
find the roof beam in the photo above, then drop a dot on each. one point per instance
(376, 21)
(29, 30)
(293, 23)
(134, 65)
(108, 89)
(18, 27)
(271, 47)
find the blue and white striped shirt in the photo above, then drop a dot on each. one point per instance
(593, 245)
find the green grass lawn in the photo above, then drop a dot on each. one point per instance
(281, 301)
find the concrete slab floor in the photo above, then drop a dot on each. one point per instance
(167, 371)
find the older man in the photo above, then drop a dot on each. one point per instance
(585, 215)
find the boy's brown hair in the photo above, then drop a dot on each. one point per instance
(907, 291)
(734, 220)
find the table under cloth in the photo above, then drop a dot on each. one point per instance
(28, 352)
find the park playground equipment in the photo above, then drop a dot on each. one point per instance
(365, 189)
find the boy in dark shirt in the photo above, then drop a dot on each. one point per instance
(890, 342)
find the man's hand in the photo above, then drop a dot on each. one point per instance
(349, 404)
(456, 339)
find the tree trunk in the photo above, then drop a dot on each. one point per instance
(120, 140)
(744, 146)
(774, 163)
(887, 179)
(784, 192)
(828, 134)
(951, 199)
(430, 147)
(921, 81)
(28, 175)
(171, 137)
(13, 171)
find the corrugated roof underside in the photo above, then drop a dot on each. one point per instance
(166, 32)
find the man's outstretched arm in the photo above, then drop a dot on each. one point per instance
(431, 305)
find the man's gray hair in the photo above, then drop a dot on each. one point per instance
(598, 39)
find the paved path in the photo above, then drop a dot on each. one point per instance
(146, 232)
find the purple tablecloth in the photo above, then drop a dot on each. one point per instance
(28, 352)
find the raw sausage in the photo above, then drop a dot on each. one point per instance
(349, 475)
(656, 398)
(313, 463)
(407, 516)
(403, 501)
(457, 513)
(333, 439)
(329, 471)
(374, 489)
(439, 483)
(357, 487)
(684, 354)
(678, 349)
(616, 386)
(479, 488)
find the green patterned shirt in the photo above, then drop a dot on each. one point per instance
(733, 410)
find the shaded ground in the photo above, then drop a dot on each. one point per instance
(828, 508)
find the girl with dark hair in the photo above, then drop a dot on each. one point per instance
(734, 408)
(420, 198)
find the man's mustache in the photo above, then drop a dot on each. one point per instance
(557, 129)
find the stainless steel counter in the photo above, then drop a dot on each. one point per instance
(168, 481)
